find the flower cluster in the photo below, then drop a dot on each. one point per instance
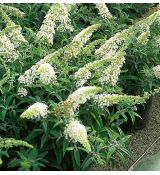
(22, 92)
(68, 107)
(67, 53)
(111, 74)
(63, 18)
(41, 71)
(57, 13)
(103, 11)
(77, 133)
(12, 10)
(46, 73)
(74, 48)
(14, 34)
(112, 99)
(36, 111)
(143, 37)
(111, 46)
(82, 75)
(10, 142)
(7, 49)
(156, 71)
(29, 76)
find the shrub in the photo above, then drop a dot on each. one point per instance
(62, 89)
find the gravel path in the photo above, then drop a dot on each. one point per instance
(141, 140)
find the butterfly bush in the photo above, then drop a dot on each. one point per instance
(68, 107)
(7, 49)
(77, 133)
(57, 13)
(156, 71)
(110, 99)
(36, 111)
(103, 11)
(11, 142)
(66, 53)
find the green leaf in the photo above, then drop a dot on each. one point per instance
(77, 157)
(87, 163)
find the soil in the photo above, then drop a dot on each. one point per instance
(141, 140)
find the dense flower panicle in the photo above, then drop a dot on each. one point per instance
(78, 42)
(111, 73)
(112, 99)
(85, 72)
(82, 76)
(30, 75)
(156, 71)
(103, 11)
(41, 71)
(111, 46)
(46, 73)
(68, 107)
(12, 10)
(57, 13)
(77, 133)
(7, 49)
(11, 142)
(143, 38)
(36, 111)
(63, 18)
(13, 32)
(22, 92)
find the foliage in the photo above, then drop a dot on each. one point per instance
(52, 95)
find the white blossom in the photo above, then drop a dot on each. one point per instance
(156, 71)
(111, 99)
(77, 133)
(7, 49)
(103, 10)
(36, 111)
(22, 92)
(57, 17)
(13, 32)
(12, 10)
(74, 48)
(111, 74)
(111, 46)
(46, 73)
(143, 38)
(68, 107)
(82, 76)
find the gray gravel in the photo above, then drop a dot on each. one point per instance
(141, 140)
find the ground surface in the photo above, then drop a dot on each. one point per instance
(141, 140)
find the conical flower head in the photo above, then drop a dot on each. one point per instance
(46, 73)
(36, 111)
(77, 133)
